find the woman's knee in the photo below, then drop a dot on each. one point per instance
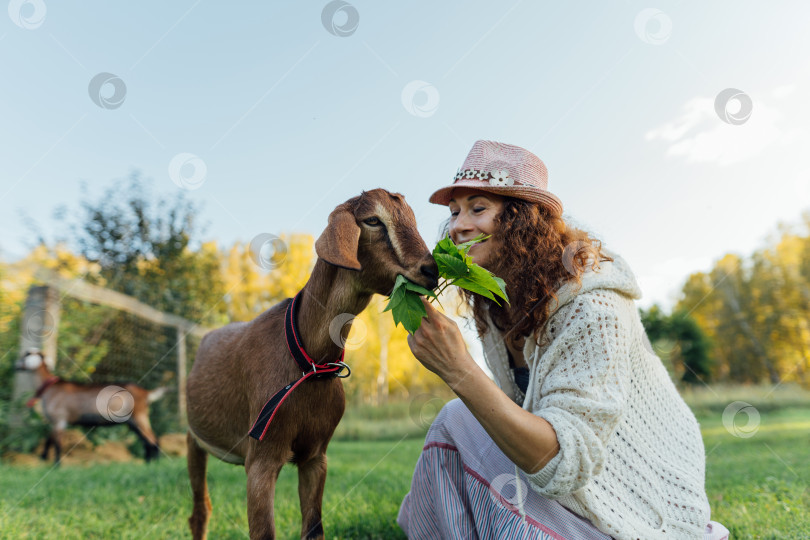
(453, 416)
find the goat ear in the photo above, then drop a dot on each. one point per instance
(338, 243)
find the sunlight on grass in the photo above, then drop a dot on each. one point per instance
(757, 486)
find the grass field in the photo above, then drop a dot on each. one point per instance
(758, 486)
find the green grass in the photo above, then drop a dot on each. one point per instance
(757, 486)
(365, 484)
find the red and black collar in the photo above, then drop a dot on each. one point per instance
(47, 383)
(309, 369)
(295, 343)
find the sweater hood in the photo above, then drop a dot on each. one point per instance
(615, 275)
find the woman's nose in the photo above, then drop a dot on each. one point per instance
(460, 225)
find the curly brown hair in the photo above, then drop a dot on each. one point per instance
(538, 252)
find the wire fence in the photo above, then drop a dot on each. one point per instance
(92, 334)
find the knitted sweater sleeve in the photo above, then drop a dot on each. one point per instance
(579, 388)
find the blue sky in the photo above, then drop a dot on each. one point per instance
(289, 120)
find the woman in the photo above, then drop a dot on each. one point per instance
(581, 434)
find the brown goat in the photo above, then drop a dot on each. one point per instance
(370, 239)
(81, 404)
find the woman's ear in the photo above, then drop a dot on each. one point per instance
(339, 242)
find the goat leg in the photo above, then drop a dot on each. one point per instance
(197, 462)
(143, 429)
(56, 440)
(48, 442)
(311, 481)
(262, 475)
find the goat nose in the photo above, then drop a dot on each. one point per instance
(430, 271)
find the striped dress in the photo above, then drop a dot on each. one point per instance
(465, 487)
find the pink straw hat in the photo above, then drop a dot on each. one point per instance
(503, 169)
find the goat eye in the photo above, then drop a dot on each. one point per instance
(373, 221)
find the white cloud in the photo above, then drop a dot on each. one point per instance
(699, 135)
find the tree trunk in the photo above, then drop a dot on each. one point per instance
(382, 374)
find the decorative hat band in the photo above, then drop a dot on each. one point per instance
(495, 177)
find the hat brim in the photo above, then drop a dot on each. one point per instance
(532, 194)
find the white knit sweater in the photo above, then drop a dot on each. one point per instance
(631, 455)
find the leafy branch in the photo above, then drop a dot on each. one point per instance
(455, 268)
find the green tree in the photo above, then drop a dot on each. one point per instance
(681, 344)
(756, 309)
(148, 248)
(694, 348)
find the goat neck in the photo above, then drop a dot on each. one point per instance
(330, 291)
(42, 373)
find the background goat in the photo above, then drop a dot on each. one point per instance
(81, 404)
(370, 239)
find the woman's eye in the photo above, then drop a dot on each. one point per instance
(479, 209)
(373, 221)
(454, 213)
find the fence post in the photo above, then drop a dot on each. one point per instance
(181, 374)
(39, 328)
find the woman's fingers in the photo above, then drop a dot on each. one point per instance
(431, 311)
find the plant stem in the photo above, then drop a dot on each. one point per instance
(442, 288)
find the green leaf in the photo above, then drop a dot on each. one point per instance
(465, 247)
(450, 267)
(475, 287)
(413, 312)
(456, 267)
(396, 298)
(502, 286)
(398, 294)
(445, 245)
(413, 287)
(484, 277)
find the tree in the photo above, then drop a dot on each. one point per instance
(148, 248)
(756, 309)
(694, 347)
(682, 344)
(254, 284)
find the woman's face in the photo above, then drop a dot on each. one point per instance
(472, 213)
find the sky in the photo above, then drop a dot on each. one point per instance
(671, 131)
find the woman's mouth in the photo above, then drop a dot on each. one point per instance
(477, 244)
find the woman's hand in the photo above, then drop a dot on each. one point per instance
(526, 439)
(438, 344)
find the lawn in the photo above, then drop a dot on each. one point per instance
(366, 482)
(757, 486)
